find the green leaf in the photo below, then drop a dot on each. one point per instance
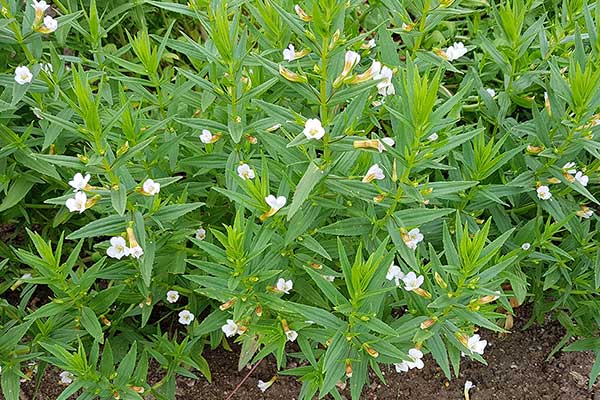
(90, 323)
(354, 226)
(16, 193)
(111, 225)
(311, 177)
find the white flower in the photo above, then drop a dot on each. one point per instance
(433, 137)
(50, 25)
(413, 238)
(456, 51)
(329, 278)
(313, 129)
(289, 54)
(245, 172)
(569, 168)
(206, 136)
(185, 317)
(291, 335)
(412, 281)
(66, 377)
(78, 203)
(136, 251)
(173, 296)
(526, 246)
(491, 92)
(40, 6)
(476, 345)
(284, 286)
(350, 60)
(150, 187)
(118, 248)
(25, 276)
(200, 233)
(230, 328)
(371, 43)
(263, 386)
(394, 273)
(585, 212)
(385, 86)
(543, 192)
(276, 203)
(387, 140)
(79, 182)
(416, 356)
(374, 172)
(401, 367)
(23, 75)
(581, 178)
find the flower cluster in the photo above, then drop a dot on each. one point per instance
(43, 24)
(412, 282)
(119, 249)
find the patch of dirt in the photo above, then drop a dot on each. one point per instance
(517, 370)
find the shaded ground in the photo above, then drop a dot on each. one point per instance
(517, 370)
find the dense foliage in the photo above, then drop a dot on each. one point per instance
(345, 183)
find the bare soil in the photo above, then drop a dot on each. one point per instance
(517, 370)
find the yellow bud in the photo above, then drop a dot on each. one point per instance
(440, 281)
(292, 76)
(302, 14)
(372, 352)
(123, 149)
(428, 323)
(422, 292)
(488, 299)
(348, 368)
(534, 149)
(227, 304)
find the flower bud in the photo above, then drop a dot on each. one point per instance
(488, 299)
(463, 339)
(123, 149)
(274, 128)
(292, 76)
(302, 14)
(259, 310)
(547, 104)
(422, 292)
(315, 265)
(534, 149)
(138, 389)
(105, 320)
(428, 323)
(90, 203)
(372, 352)
(348, 368)
(440, 281)
(227, 304)
(379, 198)
(334, 39)
(251, 139)
(52, 150)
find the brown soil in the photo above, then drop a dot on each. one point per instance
(517, 370)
